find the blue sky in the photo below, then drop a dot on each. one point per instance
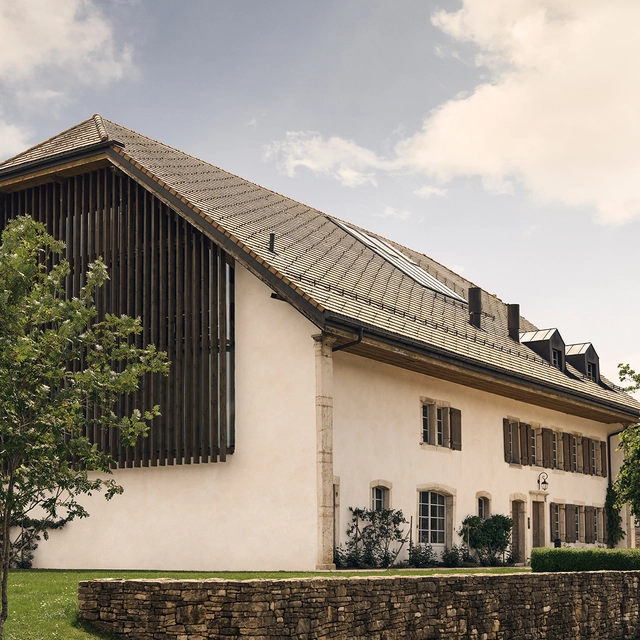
(497, 136)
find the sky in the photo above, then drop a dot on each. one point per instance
(499, 137)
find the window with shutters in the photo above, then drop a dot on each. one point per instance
(554, 450)
(441, 425)
(534, 447)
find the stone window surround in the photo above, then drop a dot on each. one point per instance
(450, 495)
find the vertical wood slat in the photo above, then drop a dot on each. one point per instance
(162, 331)
(152, 318)
(179, 341)
(205, 443)
(187, 348)
(171, 318)
(222, 354)
(214, 382)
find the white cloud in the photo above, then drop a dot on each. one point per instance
(342, 159)
(429, 190)
(12, 139)
(558, 113)
(390, 212)
(36, 34)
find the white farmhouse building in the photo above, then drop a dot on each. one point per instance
(315, 366)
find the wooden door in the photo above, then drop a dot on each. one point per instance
(538, 523)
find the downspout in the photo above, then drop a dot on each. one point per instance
(350, 344)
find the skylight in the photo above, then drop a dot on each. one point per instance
(400, 261)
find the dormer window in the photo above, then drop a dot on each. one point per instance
(548, 344)
(585, 359)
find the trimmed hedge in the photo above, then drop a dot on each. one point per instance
(545, 559)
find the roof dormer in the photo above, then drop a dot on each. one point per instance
(585, 359)
(548, 344)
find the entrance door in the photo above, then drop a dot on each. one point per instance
(538, 523)
(517, 533)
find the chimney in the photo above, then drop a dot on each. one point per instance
(513, 321)
(475, 306)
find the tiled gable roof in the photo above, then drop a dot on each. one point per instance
(336, 272)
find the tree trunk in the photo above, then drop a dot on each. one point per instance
(6, 552)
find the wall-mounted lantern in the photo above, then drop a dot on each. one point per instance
(543, 483)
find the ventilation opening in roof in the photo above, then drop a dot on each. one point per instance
(400, 261)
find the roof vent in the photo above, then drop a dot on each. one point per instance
(513, 321)
(475, 306)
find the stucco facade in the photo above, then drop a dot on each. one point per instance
(378, 437)
(258, 510)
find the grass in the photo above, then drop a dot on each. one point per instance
(43, 604)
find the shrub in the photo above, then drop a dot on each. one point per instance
(565, 559)
(422, 555)
(488, 538)
(372, 539)
(457, 556)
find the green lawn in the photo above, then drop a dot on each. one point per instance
(43, 605)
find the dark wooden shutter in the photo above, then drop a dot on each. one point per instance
(525, 443)
(588, 525)
(570, 522)
(552, 522)
(586, 456)
(505, 437)
(566, 452)
(547, 448)
(605, 532)
(455, 422)
(603, 458)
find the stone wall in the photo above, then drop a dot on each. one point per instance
(524, 606)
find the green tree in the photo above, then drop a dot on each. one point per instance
(627, 484)
(488, 538)
(61, 373)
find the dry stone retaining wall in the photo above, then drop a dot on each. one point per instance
(599, 605)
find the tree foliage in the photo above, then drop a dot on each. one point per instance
(61, 373)
(488, 537)
(627, 484)
(615, 532)
(372, 538)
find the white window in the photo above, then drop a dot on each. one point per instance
(534, 447)
(426, 436)
(554, 450)
(440, 426)
(555, 515)
(483, 508)
(431, 518)
(379, 498)
(574, 453)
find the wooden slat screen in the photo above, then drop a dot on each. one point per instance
(177, 280)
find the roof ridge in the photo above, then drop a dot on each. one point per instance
(102, 132)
